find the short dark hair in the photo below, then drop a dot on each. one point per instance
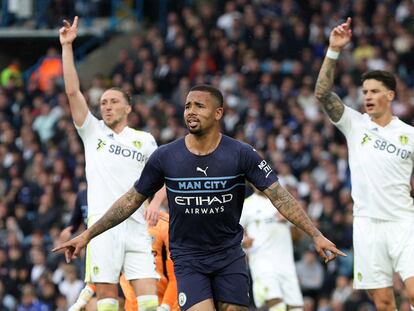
(215, 92)
(126, 95)
(385, 77)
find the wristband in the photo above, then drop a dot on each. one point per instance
(332, 54)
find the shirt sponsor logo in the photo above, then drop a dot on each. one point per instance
(265, 167)
(365, 139)
(101, 144)
(127, 153)
(391, 149)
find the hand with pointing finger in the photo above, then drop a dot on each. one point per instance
(340, 36)
(68, 32)
(74, 246)
(326, 249)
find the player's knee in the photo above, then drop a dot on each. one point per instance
(108, 304)
(383, 304)
(147, 302)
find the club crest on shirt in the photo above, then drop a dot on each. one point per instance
(182, 299)
(137, 144)
(95, 270)
(403, 139)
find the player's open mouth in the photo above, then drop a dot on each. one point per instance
(192, 122)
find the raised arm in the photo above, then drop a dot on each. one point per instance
(331, 103)
(77, 102)
(118, 212)
(293, 212)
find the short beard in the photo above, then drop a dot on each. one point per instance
(197, 132)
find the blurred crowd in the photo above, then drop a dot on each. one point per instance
(265, 56)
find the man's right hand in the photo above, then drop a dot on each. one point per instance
(73, 247)
(65, 234)
(68, 33)
(340, 36)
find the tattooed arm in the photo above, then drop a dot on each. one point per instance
(290, 209)
(119, 211)
(331, 103)
(293, 212)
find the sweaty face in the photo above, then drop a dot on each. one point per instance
(377, 98)
(114, 108)
(201, 112)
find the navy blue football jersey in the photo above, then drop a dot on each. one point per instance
(205, 193)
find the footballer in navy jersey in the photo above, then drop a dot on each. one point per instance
(205, 174)
(205, 193)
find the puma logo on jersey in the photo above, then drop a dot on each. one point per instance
(199, 169)
(101, 144)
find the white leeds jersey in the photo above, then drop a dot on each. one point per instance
(113, 162)
(269, 231)
(381, 163)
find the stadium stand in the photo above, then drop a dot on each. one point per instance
(263, 54)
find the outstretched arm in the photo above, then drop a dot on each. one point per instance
(331, 103)
(119, 211)
(77, 102)
(293, 212)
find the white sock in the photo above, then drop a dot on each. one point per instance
(147, 302)
(84, 296)
(281, 306)
(108, 304)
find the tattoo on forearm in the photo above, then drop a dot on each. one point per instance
(290, 209)
(119, 211)
(331, 103)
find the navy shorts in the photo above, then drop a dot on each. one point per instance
(223, 277)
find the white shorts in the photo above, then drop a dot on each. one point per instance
(125, 248)
(382, 248)
(275, 280)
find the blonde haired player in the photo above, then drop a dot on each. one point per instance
(115, 156)
(381, 158)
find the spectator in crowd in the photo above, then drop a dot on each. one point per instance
(282, 105)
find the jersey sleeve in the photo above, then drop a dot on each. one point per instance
(152, 177)
(345, 122)
(88, 125)
(256, 169)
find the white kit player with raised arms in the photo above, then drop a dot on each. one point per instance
(381, 164)
(115, 157)
(113, 163)
(270, 256)
(381, 160)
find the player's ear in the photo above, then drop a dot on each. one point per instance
(128, 109)
(219, 113)
(391, 95)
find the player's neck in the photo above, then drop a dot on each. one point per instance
(383, 120)
(203, 144)
(118, 128)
